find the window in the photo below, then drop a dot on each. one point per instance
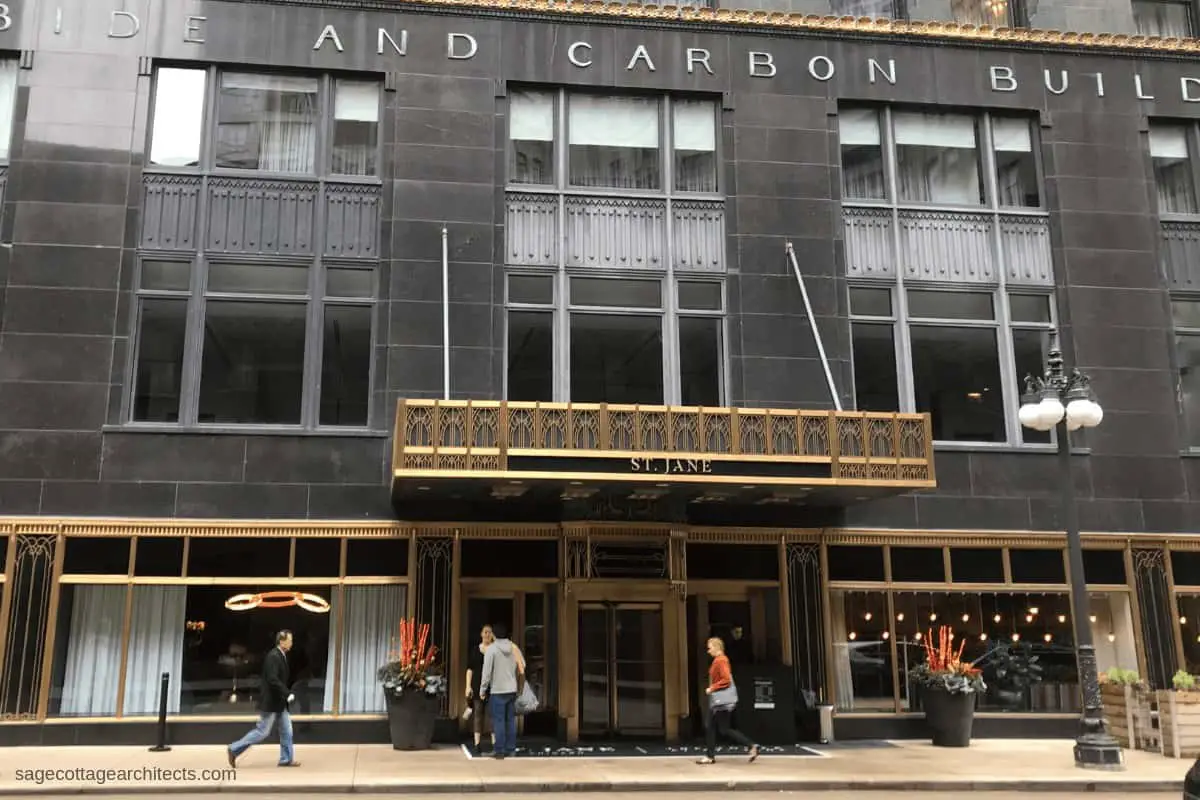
(612, 142)
(1186, 315)
(939, 338)
(246, 357)
(8, 100)
(265, 123)
(877, 9)
(1174, 180)
(955, 348)
(992, 13)
(1170, 19)
(937, 158)
(615, 341)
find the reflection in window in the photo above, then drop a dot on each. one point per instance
(162, 327)
(956, 379)
(1029, 356)
(874, 367)
(178, 117)
(937, 159)
(1186, 315)
(613, 142)
(862, 154)
(1016, 168)
(530, 356)
(266, 122)
(700, 361)
(1169, 19)
(862, 654)
(994, 13)
(355, 144)
(253, 362)
(346, 365)
(1173, 179)
(616, 359)
(531, 137)
(695, 140)
(877, 9)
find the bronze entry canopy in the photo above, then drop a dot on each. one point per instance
(519, 454)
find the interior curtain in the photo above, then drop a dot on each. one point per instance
(371, 618)
(614, 141)
(156, 638)
(1010, 135)
(8, 95)
(93, 664)
(843, 676)
(356, 103)
(695, 132)
(1172, 169)
(284, 111)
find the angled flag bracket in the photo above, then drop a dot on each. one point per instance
(812, 321)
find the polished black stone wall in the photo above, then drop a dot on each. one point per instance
(71, 213)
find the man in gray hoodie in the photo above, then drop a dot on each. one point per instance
(502, 663)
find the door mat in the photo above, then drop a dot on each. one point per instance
(646, 750)
(855, 744)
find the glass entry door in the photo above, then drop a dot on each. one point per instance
(621, 669)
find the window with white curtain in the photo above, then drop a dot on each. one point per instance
(1174, 179)
(1016, 166)
(264, 122)
(610, 142)
(531, 138)
(937, 158)
(8, 97)
(863, 176)
(695, 142)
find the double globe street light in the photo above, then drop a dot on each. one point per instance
(1063, 402)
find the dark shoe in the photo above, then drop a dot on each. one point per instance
(498, 756)
(290, 764)
(473, 749)
(232, 758)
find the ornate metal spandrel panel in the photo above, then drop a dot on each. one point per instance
(1179, 250)
(616, 233)
(869, 242)
(169, 211)
(1154, 601)
(1025, 247)
(698, 234)
(26, 626)
(435, 591)
(251, 215)
(352, 220)
(808, 636)
(531, 230)
(947, 246)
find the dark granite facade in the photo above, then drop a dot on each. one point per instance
(71, 216)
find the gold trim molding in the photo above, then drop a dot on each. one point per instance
(89, 526)
(735, 18)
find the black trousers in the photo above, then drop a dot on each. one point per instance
(721, 722)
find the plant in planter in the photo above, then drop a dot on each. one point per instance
(1125, 700)
(413, 684)
(1011, 671)
(1179, 717)
(949, 686)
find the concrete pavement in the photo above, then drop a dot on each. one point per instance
(910, 766)
(638, 796)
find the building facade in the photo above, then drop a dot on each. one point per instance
(620, 325)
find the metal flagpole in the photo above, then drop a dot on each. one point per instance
(812, 321)
(445, 313)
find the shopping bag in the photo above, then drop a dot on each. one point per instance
(527, 701)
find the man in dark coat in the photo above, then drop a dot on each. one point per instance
(276, 697)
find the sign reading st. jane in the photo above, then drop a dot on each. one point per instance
(672, 466)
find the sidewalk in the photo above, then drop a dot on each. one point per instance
(992, 764)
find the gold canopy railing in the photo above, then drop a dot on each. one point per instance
(465, 436)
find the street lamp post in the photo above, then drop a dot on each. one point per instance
(1063, 402)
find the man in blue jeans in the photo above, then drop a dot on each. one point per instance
(502, 663)
(276, 696)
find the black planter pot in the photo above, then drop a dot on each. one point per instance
(950, 716)
(411, 717)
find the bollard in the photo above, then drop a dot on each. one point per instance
(162, 747)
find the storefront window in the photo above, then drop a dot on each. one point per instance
(862, 655)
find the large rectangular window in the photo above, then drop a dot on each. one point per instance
(1186, 315)
(265, 122)
(619, 343)
(612, 142)
(260, 335)
(953, 355)
(937, 158)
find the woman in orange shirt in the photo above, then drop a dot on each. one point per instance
(722, 699)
